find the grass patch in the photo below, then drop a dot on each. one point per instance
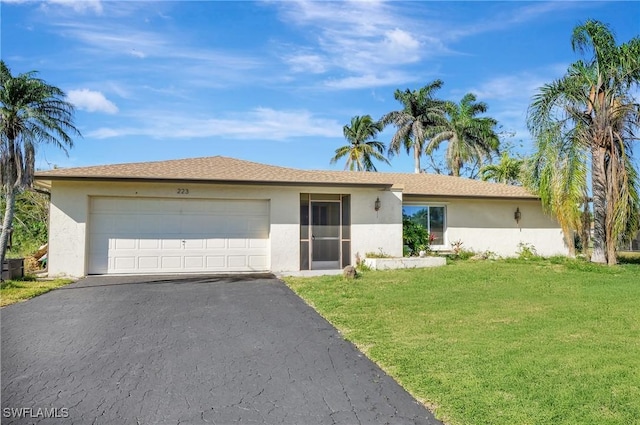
(499, 342)
(13, 291)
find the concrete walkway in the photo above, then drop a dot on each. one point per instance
(195, 350)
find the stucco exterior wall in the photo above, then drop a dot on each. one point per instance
(376, 231)
(482, 225)
(489, 225)
(371, 230)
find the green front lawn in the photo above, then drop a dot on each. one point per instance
(12, 291)
(505, 342)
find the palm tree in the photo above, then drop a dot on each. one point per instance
(420, 112)
(32, 112)
(507, 171)
(557, 172)
(361, 149)
(469, 137)
(590, 110)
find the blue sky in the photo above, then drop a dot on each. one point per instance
(275, 81)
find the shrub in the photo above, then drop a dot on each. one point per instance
(361, 266)
(527, 251)
(414, 236)
(29, 223)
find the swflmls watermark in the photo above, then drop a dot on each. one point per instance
(35, 413)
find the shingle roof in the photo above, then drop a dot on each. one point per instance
(230, 170)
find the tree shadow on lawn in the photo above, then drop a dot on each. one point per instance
(629, 258)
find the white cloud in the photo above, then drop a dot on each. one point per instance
(370, 40)
(92, 101)
(314, 64)
(399, 39)
(392, 78)
(80, 6)
(518, 86)
(115, 39)
(257, 124)
(509, 96)
(202, 65)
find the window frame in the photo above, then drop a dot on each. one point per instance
(429, 205)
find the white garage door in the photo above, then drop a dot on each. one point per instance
(129, 235)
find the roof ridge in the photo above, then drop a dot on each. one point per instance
(174, 161)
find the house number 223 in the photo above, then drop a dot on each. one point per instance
(183, 191)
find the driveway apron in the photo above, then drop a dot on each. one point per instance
(187, 350)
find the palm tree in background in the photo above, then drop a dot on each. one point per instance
(507, 171)
(590, 113)
(361, 150)
(32, 112)
(420, 112)
(469, 137)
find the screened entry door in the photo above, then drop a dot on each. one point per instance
(325, 235)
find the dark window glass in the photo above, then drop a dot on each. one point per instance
(436, 225)
(346, 217)
(304, 216)
(432, 218)
(304, 255)
(346, 253)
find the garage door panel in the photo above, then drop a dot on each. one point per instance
(215, 243)
(237, 261)
(170, 244)
(194, 244)
(194, 262)
(258, 243)
(257, 261)
(237, 243)
(125, 263)
(168, 262)
(121, 244)
(149, 243)
(170, 235)
(215, 262)
(149, 263)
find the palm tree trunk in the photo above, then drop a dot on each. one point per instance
(585, 230)
(416, 158)
(6, 222)
(613, 197)
(456, 166)
(567, 233)
(598, 181)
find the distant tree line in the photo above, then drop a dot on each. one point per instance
(423, 124)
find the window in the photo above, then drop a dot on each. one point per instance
(431, 217)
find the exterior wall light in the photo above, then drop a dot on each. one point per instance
(376, 205)
(517, 215)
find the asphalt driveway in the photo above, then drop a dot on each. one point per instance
(196, 350)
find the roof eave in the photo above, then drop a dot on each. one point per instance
(46, 181)
(439, 195)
